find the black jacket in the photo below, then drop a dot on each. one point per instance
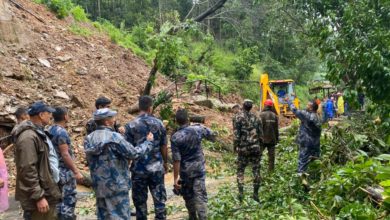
(270, 126)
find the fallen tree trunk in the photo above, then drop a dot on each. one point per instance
(210, 11)
(151, 79)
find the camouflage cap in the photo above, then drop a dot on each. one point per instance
(103, 113)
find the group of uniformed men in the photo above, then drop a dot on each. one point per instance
(253, 134)
(47, 175)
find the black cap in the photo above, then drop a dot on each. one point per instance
(102, 101)
(39, 107)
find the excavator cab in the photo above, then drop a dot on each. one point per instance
(277, 91)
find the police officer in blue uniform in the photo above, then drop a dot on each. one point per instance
(69, 173)
(309, 134)
(148, 171)
(189, 164)
(108, 155)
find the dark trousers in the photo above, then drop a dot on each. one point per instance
(306, 155)
(195, 197)
(242, 162)
(271, 155)
(155, 183)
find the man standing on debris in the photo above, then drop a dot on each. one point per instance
(248, 134)
(189, 163)
(309, 134)
(148, 171)
(36, 166)
(108, 155)
(270, 132)
(102, 102)
(69, 173)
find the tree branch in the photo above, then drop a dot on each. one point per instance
(173, 30)
(210, 11)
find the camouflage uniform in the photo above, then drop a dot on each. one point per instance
(186, 146)
(308, 137)
(148, 171)
(108, 155)
(67, 182)
(247, 142)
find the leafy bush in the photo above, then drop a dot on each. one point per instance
(222, 61)
(384, 177)
(121, 37)
(141, 33)
(60, 7)
(244, 64)
(79, 14)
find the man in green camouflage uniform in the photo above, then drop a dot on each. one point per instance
(247, 140)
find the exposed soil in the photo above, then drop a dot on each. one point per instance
(48, 62)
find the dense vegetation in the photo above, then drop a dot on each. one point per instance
(348, 41)
(342, 183)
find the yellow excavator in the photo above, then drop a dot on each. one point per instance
(277, 91)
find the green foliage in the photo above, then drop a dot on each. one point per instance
(79, 30)
(302, 93)
(354, 39)
(337, 190)
(384, 177)
(168, 49)
(60, 7)
(222, 61)
(163, 101)
(79, 14)
(244, 64)
(171, 209)
(356, 210)
(121, 37)
(342, 187)
(281, 194)
(140, 35)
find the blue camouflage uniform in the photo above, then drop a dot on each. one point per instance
(148, 171)
(308, 137)
(186, 146)
(108, 155)
(67, 182)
